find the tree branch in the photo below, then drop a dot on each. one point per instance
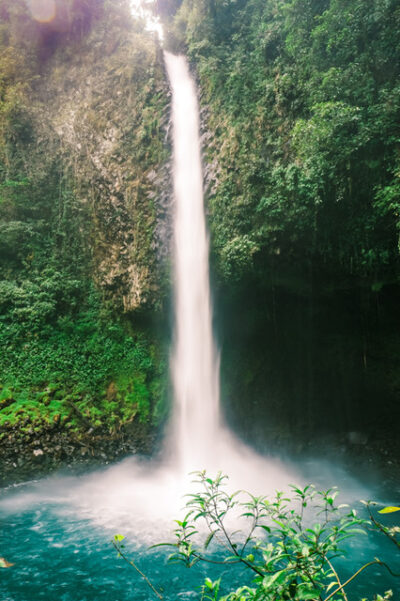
(131, 563)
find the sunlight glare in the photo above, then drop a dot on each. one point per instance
(142, 9)
(43, 11)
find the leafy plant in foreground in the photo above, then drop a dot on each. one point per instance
(391, 532)
(291, 557)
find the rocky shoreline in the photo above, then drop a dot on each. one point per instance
(31, 454)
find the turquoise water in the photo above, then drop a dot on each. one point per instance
(65, 559)
(62, 552)
(70, 560)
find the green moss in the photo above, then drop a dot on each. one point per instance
(66, 225)
(6, 394)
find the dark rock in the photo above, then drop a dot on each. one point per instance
(58, 447)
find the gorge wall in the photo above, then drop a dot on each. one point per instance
(84, 189)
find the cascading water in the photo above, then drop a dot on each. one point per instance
(197, 437)
(195, 362)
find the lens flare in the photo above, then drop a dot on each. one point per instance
(43, 11)
(142, 9)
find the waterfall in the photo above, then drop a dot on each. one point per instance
(140, 496)
(194, 361)
(198, 438)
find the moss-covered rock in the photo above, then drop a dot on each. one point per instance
(84, 236)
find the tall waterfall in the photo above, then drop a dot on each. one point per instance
(136, 494)
(195, 361)
(197, 437)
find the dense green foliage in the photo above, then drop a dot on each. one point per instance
(83, 368)
(301, 121)
(68, 353)
(301, 106)
(304, 114)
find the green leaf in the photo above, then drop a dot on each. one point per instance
(331, 585)
(269, 580)
(389, 510)
(307, 595)
(4, 563)
(162, 545)
(356, 531)
(119, 537)
(209, 539)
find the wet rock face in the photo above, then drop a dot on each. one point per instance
(103, 119)
(84, 177)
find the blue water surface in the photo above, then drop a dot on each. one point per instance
(60, 555)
